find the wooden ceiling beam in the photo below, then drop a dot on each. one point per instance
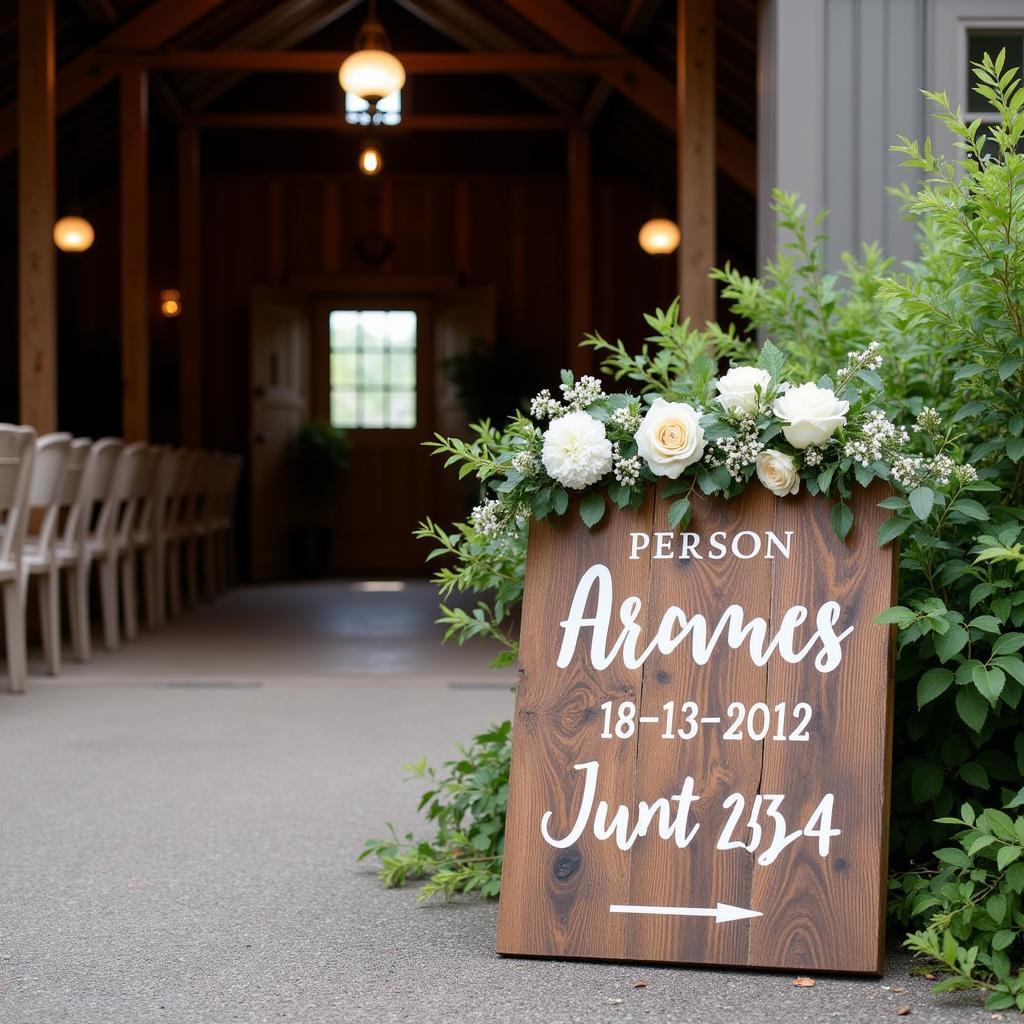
(318, 61)
(469, 28)
(651, 91)
(80, 78)
(635, 22)
(99, 12)
(282, 27)
(412, 123)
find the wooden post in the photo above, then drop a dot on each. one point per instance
(37, 264)
(580, 290)
(190, 362)
(695, 110)
(134, 255)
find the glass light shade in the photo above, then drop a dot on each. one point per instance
(170, 302)
(73, 234)
(371, 74)
(370, 161)
(659, 236)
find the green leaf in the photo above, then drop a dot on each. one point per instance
(1006, 856)
(1004, 937)
(955, 856)
(897, 615)
(772, 360)
(1008, 643)
(926, 782)
(679, 514)
(1018, 800)
(951, 642)
(971, 707)
(974, 775)
(970, 508)
(1009, 366)
(842, 520)
(891, 529)
(560, 499)
(933, 684)
(921, 501)
(592, 508)
(1015, 449)
(989, 681)
(986, 623)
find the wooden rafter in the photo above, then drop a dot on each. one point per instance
(282, 27)
(578, 34)
(80, 79)
(318, 61)
(471, 29)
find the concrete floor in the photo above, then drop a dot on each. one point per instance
(179, 822)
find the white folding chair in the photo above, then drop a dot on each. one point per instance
(155, 555)
(112, 550)
(71, 502)
(39, 554)
(179, 527)
(17, 453)
(91, 528)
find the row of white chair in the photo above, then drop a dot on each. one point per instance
(69, 504)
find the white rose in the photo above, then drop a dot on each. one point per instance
(777, 471)
(670, 437)
(811, 414)
(576, 451)
(738, 389)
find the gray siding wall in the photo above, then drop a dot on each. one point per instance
(839, 80)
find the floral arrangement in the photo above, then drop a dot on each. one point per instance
(750, 422)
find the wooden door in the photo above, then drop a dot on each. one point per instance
(392, 483)
(278, 354)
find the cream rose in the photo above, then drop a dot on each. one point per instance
(777, 471)
(576, 453)
(738, 389)
(811, 414)
(670, 437)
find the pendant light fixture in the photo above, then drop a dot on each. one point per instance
(370, 161)
(371, 71)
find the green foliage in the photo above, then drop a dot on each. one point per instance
(465, 803)
(968, 910)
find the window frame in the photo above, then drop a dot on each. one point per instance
(324, 303)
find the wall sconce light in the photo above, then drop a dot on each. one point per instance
(659, 236)
(170, 303)
(73, 234)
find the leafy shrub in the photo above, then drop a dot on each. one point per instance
(466, 803)
(969, 910)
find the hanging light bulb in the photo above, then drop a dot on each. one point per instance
(659, 236)
(370, 161)
(73, 234)
(371, 72)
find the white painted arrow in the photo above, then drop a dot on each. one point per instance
(721, 912)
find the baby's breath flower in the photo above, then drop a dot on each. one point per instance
(545, 407)
(876, 438)
(585, 392)
(813, 455)
(524, 462)
(908, 470)
(869, 359)
(627, 418)
(739, 450)
(627, 471)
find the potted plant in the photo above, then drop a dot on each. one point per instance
(316, 459)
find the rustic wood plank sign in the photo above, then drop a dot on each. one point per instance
(701, 748)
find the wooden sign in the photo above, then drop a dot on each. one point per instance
(701, 746)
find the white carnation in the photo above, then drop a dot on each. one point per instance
(576, 451)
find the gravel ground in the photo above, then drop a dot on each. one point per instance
(176, 853)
